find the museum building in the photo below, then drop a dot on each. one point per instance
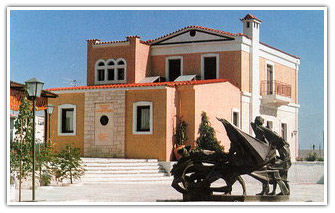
(136, 91)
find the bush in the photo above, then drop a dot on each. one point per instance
(180, 135)
(320, 159)
(45, 179)
(68, 164)
(311, 157)
(207, 139)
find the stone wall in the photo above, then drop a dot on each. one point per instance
(115, 143)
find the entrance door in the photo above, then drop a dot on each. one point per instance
(210, 68)
(174, 69)
(103, 124)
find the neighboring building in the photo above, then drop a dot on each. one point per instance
(136, 89)
(17, 92)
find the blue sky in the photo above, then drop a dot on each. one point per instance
(51, 45)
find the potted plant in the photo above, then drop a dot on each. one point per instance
(180, 137)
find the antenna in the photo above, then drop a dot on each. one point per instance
(72, 82)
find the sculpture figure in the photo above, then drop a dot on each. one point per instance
(197, 170)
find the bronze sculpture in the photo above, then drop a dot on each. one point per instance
(197, 170)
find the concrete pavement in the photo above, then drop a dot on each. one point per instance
(80, 193)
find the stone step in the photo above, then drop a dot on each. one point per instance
(126, 179)
(109, 170)
(118, 160)
(112, 168)
(135, 171)
(119, 164)
(124, 175)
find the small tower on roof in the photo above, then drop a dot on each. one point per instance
(251, 26)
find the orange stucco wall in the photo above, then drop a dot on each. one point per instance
(199, 98)
(245, 72)
(227, 98)
(94, 53)
(142, 61)
(77, 140)
(152, 145)
(229, 65)
(283, 74)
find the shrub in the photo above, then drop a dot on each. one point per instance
(320, 159)
(45, 179)
(311, 157)
(207, 139)
(68, 164)
(180, 135)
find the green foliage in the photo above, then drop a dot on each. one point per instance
(320, 159)
(21, 147)
(68, 164)
(45, 179)
(180, 134)
(44, 162)
(207, 139)
(311, 157)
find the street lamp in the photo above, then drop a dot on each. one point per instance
(50, 109)
(34, 89)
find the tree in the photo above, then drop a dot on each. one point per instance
(207, 139)
(68, 164)
(20, 147)
(44, 162)
(180, 134)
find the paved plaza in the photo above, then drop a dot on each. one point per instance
(108, 193)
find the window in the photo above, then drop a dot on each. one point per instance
(104, 120)
(284, 131)
(142, 118)
(174, 67)
(210, 66)
(236, 117)
(111, 71)
(269, 76)
(67, 119)
(101, 75)
(269, 125)
(248, 24)
(121, 66)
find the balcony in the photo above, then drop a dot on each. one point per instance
(275, 93)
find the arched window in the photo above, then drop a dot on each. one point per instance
(100, 70)
(110, 71)
(121, 69)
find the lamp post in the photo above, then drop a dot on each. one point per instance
(50, 109)
(34, 89)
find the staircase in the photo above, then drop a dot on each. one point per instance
(117, 170)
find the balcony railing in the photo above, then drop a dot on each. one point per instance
(275, 88)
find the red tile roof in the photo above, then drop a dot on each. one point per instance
(249, 17)
(168, 84)
(196, 27)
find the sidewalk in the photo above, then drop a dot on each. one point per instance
(80, 193)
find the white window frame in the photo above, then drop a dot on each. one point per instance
(135, 105)
(203, 56)
(115, 67)
(60, 108)
(236, 110)
(167, 65)
(96, 74)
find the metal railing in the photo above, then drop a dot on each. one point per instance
(275, 88)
